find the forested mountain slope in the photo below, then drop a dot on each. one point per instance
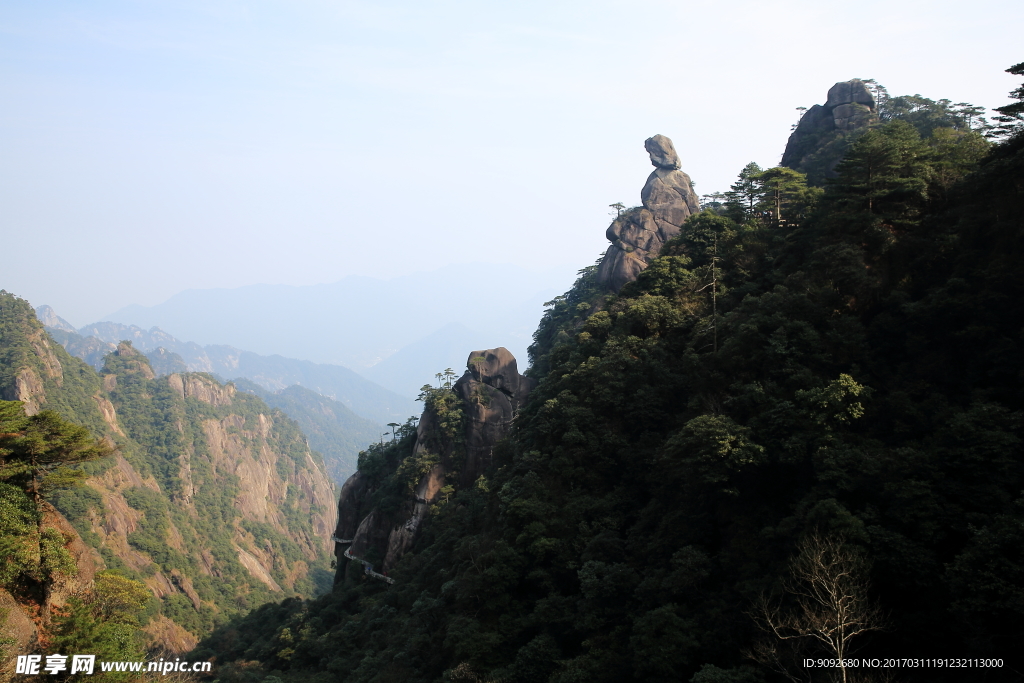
(821, 389)
(212, 499)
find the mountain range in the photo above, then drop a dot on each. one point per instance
(358, 322)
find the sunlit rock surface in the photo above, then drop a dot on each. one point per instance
(637, 235)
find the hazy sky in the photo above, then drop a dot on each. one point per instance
(150, 147)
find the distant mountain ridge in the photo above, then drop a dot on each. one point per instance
(359, 321)
(365, 398)
(404, 373)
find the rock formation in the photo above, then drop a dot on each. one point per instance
(49, 318)
(491, 392)
(637, 235)
(812, 147)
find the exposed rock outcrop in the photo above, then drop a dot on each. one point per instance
(30, 382)
(87, 561)
(18, 626)
(638, 235)
(28, 389)
(201, 388)
(812, 147)
(170, 635)
(491, 392)
(49, 318)
(108, 411)
(352, 505)
(136, 360)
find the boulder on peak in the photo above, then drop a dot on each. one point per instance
(850, 92)
(497, 368)
(663, 152)
(823, 134)
(637, 235)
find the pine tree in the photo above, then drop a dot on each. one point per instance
(1010, 121)
(744, 194)
(36, 452)
(781, 187)
(884, 176)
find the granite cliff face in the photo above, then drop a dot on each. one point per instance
(492, 391)
(638, 234)
(825, 131)
(31, 381)
(488, 395)
(225, 440)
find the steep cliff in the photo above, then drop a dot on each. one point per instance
(638, 234)
(213, 499)
(452, 448)
(229, 484)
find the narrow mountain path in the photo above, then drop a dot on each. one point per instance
(368, 568)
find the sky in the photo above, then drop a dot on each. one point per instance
(148, 147)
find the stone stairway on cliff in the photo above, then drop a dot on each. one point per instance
(368, 567)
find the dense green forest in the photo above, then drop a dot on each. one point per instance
(810, 404)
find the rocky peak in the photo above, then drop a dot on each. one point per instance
(130, 361)
(663, 152)
(849, 107)
(41, 371)
(638, 235)
(498, 369)
(49, 318)
(491, 392)
(850, 92)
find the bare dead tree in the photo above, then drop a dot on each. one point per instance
(824, 607)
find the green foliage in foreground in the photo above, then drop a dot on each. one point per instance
(36, 455)
(859, 381)
(104, 621)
